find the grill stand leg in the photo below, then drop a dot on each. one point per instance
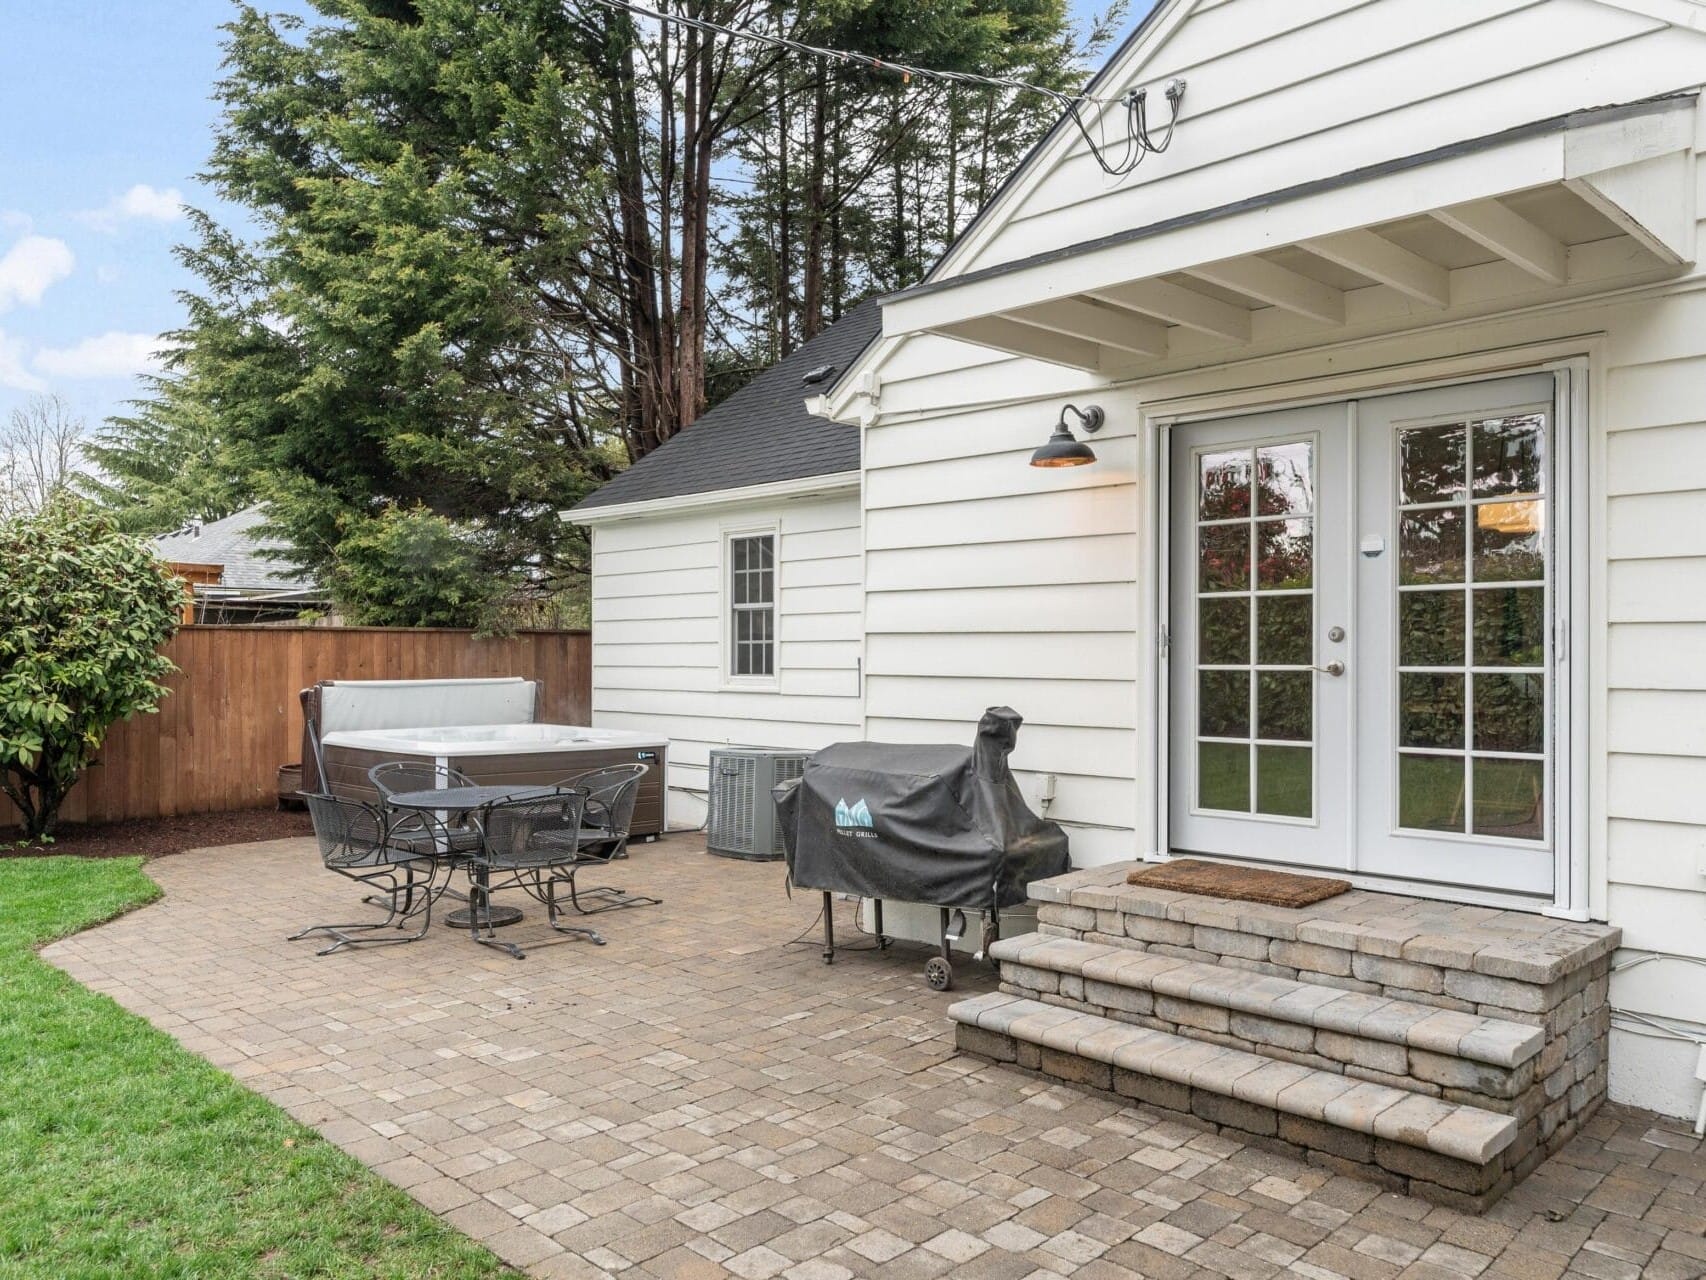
(828, 929)
(882, 938)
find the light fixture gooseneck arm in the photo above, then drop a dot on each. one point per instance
(1090, 419)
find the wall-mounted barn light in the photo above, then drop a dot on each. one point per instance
(1063, 448)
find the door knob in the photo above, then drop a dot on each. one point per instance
(1334, 668)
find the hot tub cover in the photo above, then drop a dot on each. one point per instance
(943, 825)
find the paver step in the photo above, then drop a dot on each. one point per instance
(1107, 970)
(1454, 1131)
(1502, 948)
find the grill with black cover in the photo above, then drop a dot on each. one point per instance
(941, 825)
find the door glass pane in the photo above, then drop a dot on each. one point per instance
(1224, 486)
(1510, 541)
(1223, 704)
(1285, 629)
(1510, 627)
(1510, 799)
(1223, 776)
(1223, 630)
(1285, 705)
(1285, 554)
(1510, 713)
(1223, 560)
(1430, 710)
(1509, 454)
(1430, 545)
(1430, 792)
(1285, 476)
(1430, 628)
(1285, 777)
(1430, 464)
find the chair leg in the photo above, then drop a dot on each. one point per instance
(605, 897)
(553, 912)
(407, 889)
(480, 906)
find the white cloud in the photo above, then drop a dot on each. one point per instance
(12, 371)
(16, 220)
(141, 203)
(108, 355)
(29, 267)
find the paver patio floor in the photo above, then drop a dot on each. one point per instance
(699, 1098)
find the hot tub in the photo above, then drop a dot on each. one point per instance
(526, 754)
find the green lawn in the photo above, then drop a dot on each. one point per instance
(123, 1155)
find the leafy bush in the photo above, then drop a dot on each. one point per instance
(84, 610)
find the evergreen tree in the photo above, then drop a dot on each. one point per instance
(163, 464)
(420, 177)
(493, 237)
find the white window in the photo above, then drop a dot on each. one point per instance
(752, 606)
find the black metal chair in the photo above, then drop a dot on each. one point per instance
(532, 844)
(355, 842)
(610, 794)
(418, 831)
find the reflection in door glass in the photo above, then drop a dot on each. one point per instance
(1285, 479)
(1224, 486)
(1472, 717)
(1430, 464)
(1285, 781)
(1255, 712)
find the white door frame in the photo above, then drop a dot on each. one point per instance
(1580, 675)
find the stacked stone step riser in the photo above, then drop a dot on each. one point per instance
(1417, 1070)
(1443, 985)
(1440, 1179)
(1311, 1129)
(1550, 1096)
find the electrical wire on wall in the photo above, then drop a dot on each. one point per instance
(1116, 158)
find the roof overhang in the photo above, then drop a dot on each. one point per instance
(1570, 205)
(836, 482)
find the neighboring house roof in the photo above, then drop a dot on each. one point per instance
(250, 561)
(761, 434)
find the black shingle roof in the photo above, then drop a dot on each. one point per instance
(762, 433)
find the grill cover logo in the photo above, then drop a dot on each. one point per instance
(855, 820)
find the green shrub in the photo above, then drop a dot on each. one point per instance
(84, 610)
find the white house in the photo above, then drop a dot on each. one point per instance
(726, 569)
(1392, 558)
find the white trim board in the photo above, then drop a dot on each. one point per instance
(835, 483)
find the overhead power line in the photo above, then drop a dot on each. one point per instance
(1137, 143)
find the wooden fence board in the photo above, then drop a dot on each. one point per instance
(232, 716)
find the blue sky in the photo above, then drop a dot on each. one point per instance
(105, 118)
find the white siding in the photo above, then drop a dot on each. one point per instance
(658, 653)
(1281, 94)
(1655, 735)
(991, 582)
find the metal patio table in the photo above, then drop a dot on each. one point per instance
(466, 800)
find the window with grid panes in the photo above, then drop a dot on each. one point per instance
(752, 605)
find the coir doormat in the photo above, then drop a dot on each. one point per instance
(1245, 884)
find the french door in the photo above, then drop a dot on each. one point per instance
(1363, 598)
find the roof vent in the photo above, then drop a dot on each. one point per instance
(823, 373)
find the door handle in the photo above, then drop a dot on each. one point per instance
(1334, 668)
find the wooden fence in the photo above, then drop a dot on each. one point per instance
(232, 717)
